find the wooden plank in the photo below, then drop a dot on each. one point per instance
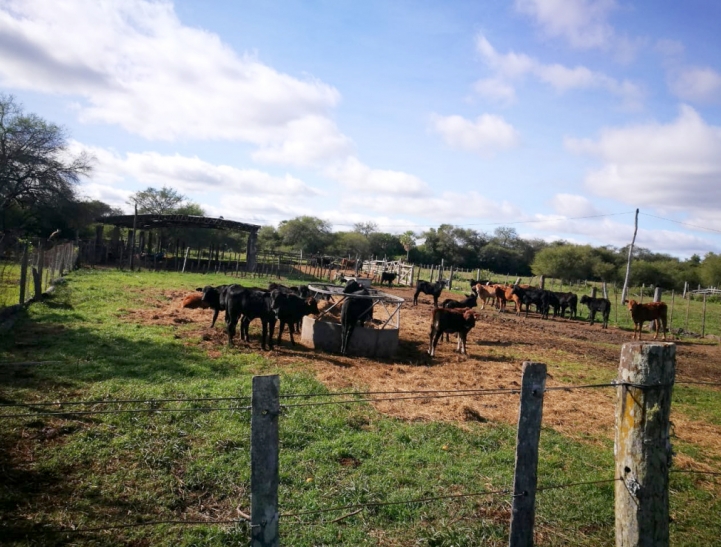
(527, 438)
(642, 444)
(264, 461)
(23, 274)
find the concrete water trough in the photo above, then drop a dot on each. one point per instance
(380, 340)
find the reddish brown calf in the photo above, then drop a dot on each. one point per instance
(653, 311)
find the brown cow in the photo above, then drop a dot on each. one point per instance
(653, 311)
(194, 301)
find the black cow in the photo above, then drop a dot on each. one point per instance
(354, 310)
(389, 277)
(568, 300)
(290, 309)
(602, 305)
(215, 297)
(451, 320)
(244, 305)
(433, 289)
(537, 297)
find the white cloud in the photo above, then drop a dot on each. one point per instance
(676, 166)
(697, 84)
(495, 89)
(360, 178)
(189, 174)
(445, 207)
(573, 205)
(485, 135)
(514, 66)
(583, 23)
(137, 66)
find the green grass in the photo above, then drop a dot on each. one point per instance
(123, 468)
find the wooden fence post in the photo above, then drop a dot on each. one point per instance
(542, 282)
(39, 278)
(657, 294)
(670, 319)
(450, 279)
(23, 274)
(185, 260)
(528, 434)
(642, 445)
(264, 461)
(703, 318)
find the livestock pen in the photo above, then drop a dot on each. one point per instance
(119, 342)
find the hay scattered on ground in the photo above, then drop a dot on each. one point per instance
(497, 346)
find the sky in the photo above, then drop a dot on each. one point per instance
(557, 117)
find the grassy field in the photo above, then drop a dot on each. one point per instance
(104, 469)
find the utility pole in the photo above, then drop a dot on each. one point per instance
(624, 292)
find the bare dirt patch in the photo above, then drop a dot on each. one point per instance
(497, 347)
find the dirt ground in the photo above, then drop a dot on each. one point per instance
(497, 346)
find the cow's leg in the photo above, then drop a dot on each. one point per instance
(462, 339)
(430, 341)
(231, 330)
(434, 342)
(290, 330)
(280, 330)
(215, 316)
(271, 329)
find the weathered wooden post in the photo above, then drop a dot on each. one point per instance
(604, 289)
(542, 282)
(685, 288)
(657, 294)
(450, 279)
(670, 319)
(593, 292)
(528, 435)
(642, 445)
(23, 274)
(624, 292)
(131, 238)
(39, 278)
(703, 317)
(251, 250)
(185, 260)
(688, 308)
(264, 461)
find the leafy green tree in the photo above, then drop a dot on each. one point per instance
(189, 208)
(268, 238)
(157, 202)
(384, 244)
(565, 262)
(350, 244)
(365, 228)
(311, 234)
(710, 270)
(36, 167)
(408, 240)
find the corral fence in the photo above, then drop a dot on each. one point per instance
(405, 273)
(643, 452)
(27, 269)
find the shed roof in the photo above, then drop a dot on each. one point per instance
(145, 222)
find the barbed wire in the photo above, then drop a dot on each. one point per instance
(123, 411)
(149, 523)
(126, 401)
(691, 382)
(696, 472)
(413, 394)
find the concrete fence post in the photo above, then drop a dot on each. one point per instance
(642, 444)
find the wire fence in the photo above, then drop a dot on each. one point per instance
(58, 408)
(27, 269)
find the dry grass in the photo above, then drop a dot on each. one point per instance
(497, 347)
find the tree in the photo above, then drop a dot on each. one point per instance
(36, 166)
(350, 243)
(157, 202)
(384, 244)
(505, 236)
(189, 208)
(408, 240)
(311, 234)
(268, 238)
(365, 228)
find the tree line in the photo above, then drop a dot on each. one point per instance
(502, 252)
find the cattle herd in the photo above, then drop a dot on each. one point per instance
(289, 305)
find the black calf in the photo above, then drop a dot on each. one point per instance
(433, 289)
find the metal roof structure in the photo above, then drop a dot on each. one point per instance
(149, 221)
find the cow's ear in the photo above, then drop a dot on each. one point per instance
(199, 289)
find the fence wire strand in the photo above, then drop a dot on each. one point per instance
(124, 411)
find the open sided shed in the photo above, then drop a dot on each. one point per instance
(151, 222)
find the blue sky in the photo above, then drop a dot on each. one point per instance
(529, 113)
